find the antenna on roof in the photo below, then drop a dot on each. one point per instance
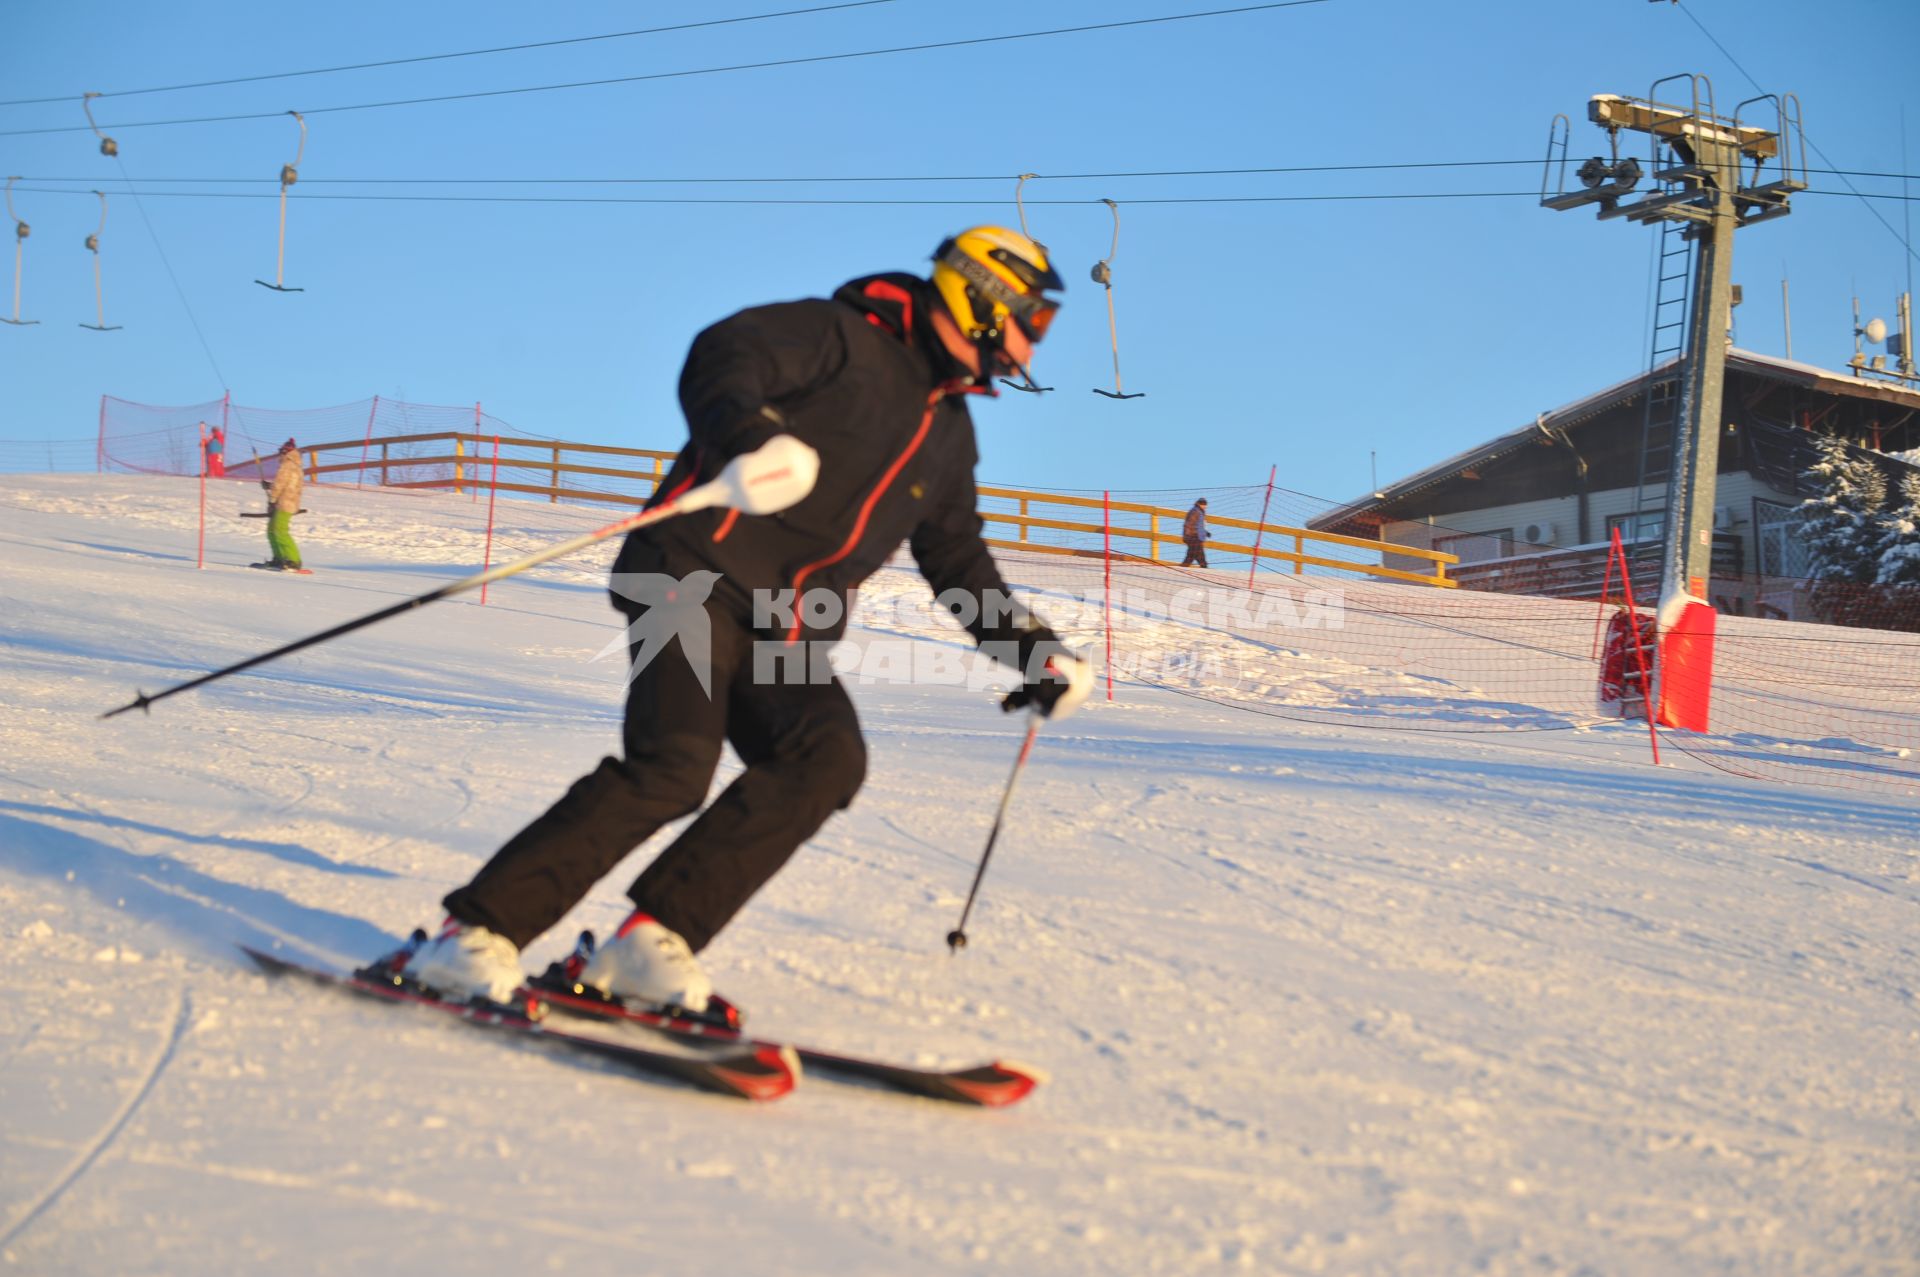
(1898, 341)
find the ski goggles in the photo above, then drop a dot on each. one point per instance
(1035, 319)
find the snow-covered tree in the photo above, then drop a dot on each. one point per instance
(1900, 537)
(1840, 529)
(1838, 525)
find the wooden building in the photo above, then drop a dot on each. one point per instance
(1533, 510)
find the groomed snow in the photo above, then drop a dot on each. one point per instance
(1315, 998)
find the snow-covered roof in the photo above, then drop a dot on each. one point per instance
(1587, 406)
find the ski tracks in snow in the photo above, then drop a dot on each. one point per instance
(91, 1152)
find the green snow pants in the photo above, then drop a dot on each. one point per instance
(280, 538)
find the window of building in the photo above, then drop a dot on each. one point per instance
(1782, 552)
(1648, 525)
(1477, 547)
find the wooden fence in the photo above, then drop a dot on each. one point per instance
(466, 461)
(1145, 543)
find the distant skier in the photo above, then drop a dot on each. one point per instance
(1194, 533)
(873, 379)
(283, 501)
(216, 453)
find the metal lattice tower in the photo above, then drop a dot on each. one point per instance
(1704, 191)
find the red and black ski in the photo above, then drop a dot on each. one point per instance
(751, 1071)
(992, 1085)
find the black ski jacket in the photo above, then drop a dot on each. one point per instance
(865, 381)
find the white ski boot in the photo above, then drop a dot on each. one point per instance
(466, 961)
(648, 963)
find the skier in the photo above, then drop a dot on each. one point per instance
(216, 453)
(283, 500)
(873, 380)
(1194, 533)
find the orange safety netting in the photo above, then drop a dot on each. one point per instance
(1317, 641)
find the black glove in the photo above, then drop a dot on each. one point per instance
(1060, 682)
(751, 434)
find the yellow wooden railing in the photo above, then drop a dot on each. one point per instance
(1138, 542)
(470, 460)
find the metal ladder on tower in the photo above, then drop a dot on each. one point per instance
(1665, 410)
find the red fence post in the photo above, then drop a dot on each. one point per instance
(1606, 592)
(201, 560)
(493, 490)
(1633, 628)
(366, 443)
(1106, 521)
(1258, 531)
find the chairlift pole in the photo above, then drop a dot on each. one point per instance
(1697, 157)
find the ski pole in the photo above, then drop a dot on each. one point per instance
(957, 938)
(766, 481)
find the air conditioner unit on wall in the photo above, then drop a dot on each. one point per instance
(1537, 534)
(1723, 517)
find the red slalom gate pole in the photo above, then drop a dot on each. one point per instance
(366, 442)
(1606, 592)
(1259, 531)
(1106, 511)
(493, 490)
(201, 560)
(1633, 628)
(476, 439)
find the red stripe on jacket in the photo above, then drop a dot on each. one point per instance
(866, 510)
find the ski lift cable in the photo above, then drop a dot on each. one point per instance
(160, 250)
(889, 178)
(855, 179)
(465, 53)
(1866, 200)
(809, 60)
(844, 203)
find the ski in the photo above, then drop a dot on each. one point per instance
(752, 1071)
(992, 1085)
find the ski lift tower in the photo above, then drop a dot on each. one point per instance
(1712, 175)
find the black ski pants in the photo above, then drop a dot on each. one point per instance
(1196, 553)
(804, 760)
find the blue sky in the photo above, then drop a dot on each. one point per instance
(1306, 333)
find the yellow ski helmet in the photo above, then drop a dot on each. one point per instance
(988, 275)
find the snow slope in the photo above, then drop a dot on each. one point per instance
(1316, 998)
